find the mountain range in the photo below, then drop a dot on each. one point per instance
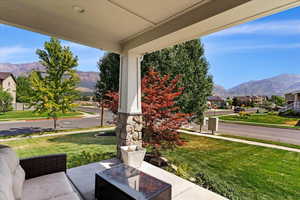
(87, 79)
(277, 85)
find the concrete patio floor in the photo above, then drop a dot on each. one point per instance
(83, 178)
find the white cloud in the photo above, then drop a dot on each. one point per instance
(9, 52)
(283, 27)
(217, 48)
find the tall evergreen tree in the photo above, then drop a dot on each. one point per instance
(188, 60)
(196, 81)
(55, 89)
(108, 79)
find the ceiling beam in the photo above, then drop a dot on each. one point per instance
(211, 17)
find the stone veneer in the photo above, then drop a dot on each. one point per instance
(128, 130)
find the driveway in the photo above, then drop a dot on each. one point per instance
(289, 136)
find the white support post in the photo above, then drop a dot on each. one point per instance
(130, 84)
(129, 124)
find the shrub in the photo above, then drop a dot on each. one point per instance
(209, 183)
(5, 101)
(290, 113)
(180, 170)
(244, 115)
(203, 180)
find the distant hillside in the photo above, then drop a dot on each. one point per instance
(278, 85)
(220, 91)
(87, 79)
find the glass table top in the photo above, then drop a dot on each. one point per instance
(132, 181)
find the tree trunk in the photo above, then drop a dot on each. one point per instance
(102, 114)
(54, 122)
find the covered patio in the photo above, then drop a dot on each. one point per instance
(132, 29)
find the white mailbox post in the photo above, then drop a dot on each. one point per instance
(213, 124)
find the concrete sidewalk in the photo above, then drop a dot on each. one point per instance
(242, 141)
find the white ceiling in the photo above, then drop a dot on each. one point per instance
(141, 25)
(157, 11)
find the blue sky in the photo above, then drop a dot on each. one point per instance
(260, 49)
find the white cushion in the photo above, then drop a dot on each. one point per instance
(6, 192)
(47, 187)
(10, 158)
(71, 196)
(18, 182)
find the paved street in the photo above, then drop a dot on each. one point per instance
(14, 128)
(273, 134)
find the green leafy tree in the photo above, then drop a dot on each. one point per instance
(278, 100)
(108, 79)
(55, 89)
(5, 101)
(24, 90)
(229, 101)
(189, 61)
(236, 102)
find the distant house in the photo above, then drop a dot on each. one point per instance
(216, 102)
(247, 100)
(259, 99)
(243, 100)
(8, 83)
(292, 101)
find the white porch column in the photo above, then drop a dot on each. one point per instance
(129, 124)
(130, 84)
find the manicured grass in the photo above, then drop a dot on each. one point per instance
(263, 141)
(263, 118)
(17, 115)
(80, 148)
(235, 170)
(239, 171)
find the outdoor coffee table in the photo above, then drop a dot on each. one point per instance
(123, 182)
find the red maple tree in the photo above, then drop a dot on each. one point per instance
(161, 116)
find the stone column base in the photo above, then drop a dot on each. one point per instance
(128, 131)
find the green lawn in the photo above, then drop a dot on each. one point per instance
(18, 115)
(235, 170)
(239, 171)
(263, 118)
(80, 148)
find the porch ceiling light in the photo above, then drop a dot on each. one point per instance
(78, 9)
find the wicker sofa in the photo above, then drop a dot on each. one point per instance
(38, 178)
